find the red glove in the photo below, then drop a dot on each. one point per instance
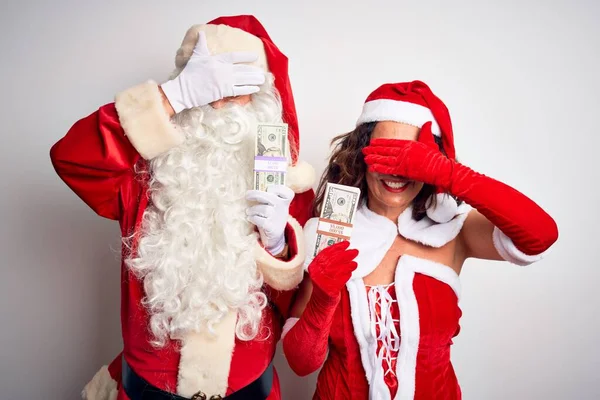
(331, 270)
(305, 345)
(530, 228)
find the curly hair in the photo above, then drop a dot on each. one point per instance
(347, 167)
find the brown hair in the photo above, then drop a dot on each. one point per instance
(347, 167)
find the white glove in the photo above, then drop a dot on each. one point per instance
(270, 215)
(207, 78)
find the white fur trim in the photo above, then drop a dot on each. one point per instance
(289, 324)
(359, 312)
(220, 39)
(206, 359)
(300, 177)
(445, 208)
(398, 111)
(410, 332)
(310, 241)
(410, 328)
(509, 252)
(101, 387)
(441, 272)
(145, 120)
(372, 235)
(429, 232)
(407, 268)
(283, 275)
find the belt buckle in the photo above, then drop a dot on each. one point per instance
(201, 396)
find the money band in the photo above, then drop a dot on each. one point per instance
(270, 164)
(336, 229)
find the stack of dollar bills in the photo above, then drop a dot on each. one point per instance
(270, 157)
(337, 215)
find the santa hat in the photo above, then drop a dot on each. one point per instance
(414, 103)
(246, 33)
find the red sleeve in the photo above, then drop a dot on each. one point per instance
(115, 368)
(300, 210)
(301, 207)
(95, 159)
(282, 300)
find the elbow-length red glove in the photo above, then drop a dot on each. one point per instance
(305, 345)
(529, 227)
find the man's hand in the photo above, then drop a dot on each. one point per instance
(270, 215)
(207, 78)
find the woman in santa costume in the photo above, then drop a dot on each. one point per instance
(379, 312)
(209, 266)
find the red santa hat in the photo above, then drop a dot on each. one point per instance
(246, 33)
(414, 103)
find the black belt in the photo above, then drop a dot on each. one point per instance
(138, 389)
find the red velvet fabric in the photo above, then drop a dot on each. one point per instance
(439, 317)
(96, 160)
(301, 206)
(305, 345)
(342, 375)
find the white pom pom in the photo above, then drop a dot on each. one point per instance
(446, 208)
(300, 177)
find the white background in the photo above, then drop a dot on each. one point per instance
(519, 77)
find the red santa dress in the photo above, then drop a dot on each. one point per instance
(393, 341)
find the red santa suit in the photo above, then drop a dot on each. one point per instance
(98, 159)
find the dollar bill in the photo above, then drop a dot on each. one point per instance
(337, 215)
(270, 157)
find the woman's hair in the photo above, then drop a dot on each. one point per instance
(347, 167)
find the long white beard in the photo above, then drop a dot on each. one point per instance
(195, 254)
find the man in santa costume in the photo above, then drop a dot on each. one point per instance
(209, 266)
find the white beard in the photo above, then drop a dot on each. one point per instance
(196, 251)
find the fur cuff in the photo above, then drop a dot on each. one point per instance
(101, 387)
(509, 252)
(206, 359)
(145, 121)
(279, 274)
(300, 177)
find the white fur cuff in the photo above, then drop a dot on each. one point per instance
(145, 120)
(300, 177)
(509, 252)
(283, 275)
(101, 387)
